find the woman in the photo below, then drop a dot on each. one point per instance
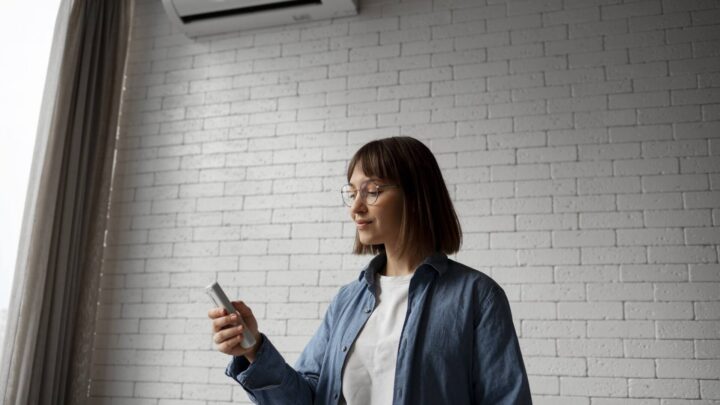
(415, 327)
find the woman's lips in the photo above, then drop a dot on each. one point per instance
(362, 224)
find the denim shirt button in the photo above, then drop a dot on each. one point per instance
(344, 349)
(335, 396)
(367, 310)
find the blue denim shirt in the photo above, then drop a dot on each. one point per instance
(458, 344)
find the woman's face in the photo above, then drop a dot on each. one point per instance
(379, 223)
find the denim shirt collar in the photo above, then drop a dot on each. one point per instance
(437, 261)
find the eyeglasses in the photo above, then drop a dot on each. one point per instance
(369, 192)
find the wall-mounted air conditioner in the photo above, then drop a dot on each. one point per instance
(205, 17)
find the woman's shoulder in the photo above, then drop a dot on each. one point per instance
(462, 270)
(462, 274)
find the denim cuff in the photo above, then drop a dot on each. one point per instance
(266, 371)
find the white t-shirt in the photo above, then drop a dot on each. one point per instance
(369, 372)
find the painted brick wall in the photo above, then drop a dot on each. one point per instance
(579, 139)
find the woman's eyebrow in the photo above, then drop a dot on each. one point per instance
(365, 181)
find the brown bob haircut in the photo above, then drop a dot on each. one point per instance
(429, 223)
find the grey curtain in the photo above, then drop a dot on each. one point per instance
(45, 358)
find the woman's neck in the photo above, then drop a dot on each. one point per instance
(400, 265)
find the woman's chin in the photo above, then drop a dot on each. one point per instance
(366, 240)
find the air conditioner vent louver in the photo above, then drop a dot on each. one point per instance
(198, 18)
(247, 10)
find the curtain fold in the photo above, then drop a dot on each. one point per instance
(46, 353)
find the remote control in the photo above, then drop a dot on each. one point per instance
(218, 296)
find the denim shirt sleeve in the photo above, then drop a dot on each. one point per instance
(270, 380)
(498, 368)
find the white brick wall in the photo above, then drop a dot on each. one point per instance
(579, 139)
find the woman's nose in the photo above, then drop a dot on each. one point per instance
(358, 205)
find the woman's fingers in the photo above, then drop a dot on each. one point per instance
(228, 339)
(228, 345)
(216, 312)
(227, 333)
(242, 308)
(223, 321)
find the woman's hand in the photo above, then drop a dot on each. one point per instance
(228, 332)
